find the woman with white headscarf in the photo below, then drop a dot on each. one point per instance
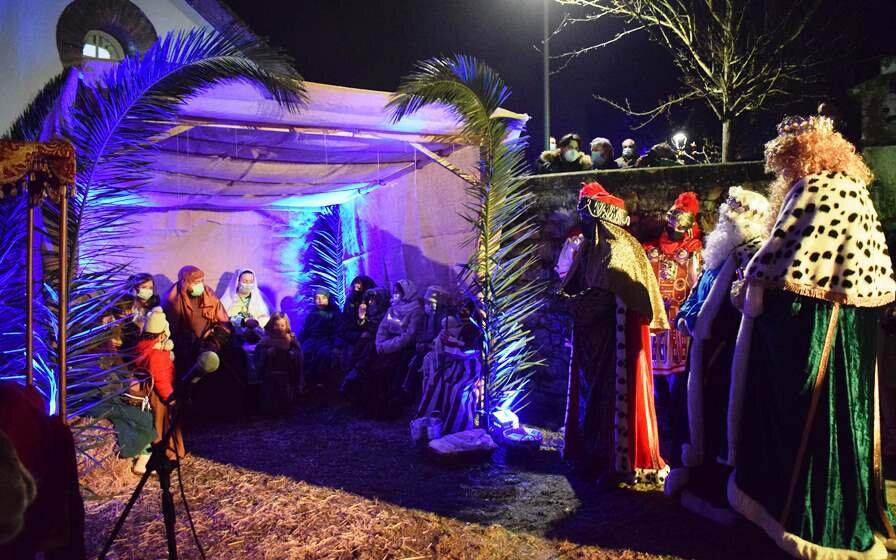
(243, 300)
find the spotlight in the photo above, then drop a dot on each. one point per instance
(679, 140)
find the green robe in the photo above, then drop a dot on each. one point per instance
(837, 500)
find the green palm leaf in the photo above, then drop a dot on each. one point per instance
(110, 126)
(498, 212)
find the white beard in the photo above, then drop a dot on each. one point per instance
(728, 234)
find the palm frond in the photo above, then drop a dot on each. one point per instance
(499, 213)
(323, 260)
(29, 124)
(110, 126)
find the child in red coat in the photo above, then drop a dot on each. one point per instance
(154, 354)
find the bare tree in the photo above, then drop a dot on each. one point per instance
(736, 56)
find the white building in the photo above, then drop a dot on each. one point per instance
(40, 38)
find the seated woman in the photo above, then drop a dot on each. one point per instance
(154, 355)
(452, 373)
(361, 354)
(318, 338)
(139, 297)
(357, 289)
(245, 305)
(279, 363)
(249, 313)
(395, 347)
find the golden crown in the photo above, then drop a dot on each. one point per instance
(798, 125)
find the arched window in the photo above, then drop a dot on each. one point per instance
(101, 45)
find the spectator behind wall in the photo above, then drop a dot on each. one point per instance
(629, 154)
(602, 156)
(660, 155)
(566, 158)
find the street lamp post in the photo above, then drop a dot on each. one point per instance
(546, 63)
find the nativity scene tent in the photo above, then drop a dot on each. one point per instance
(239, 182)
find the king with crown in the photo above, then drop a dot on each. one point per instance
(803, 419)
(615, 302)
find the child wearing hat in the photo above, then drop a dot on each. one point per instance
(154, 354)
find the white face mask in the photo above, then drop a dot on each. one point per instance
(144, 293)
(571, 155)
(197, 289)
(396, 297)
(246, 289)
(628, 152)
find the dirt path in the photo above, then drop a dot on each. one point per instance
(270, 488)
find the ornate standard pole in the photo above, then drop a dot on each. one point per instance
(63, 302)
(546, 63)
(29, 297)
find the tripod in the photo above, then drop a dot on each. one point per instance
(163, 466)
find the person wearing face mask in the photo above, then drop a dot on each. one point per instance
(602, 154)
(139, 297)
(567, 158)
(676, 258)
(629, 154)
(350, 329)
(246, 306)
(318, 338)
(195, 315)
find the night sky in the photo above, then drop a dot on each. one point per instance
(373, 43)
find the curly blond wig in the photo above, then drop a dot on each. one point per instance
(813, 147)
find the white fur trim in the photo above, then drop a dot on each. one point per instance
(738, 382)
(676, 480)
(692, 455)
(790, 543)
(696, 504)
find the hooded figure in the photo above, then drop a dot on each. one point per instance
(362, 354)
(243, 300)
(318, 337)
(709, 316)
(435, 304)
(803, 424)
(614, 301)
(395, 347)
(452, 372)
(194, 314)
(356, 289)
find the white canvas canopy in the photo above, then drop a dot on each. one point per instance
(237, 180)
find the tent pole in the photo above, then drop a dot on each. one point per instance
(63, 303)
(29, 299)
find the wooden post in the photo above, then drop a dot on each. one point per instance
(29, 299)
(63, 303)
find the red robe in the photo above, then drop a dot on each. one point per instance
(677, 266)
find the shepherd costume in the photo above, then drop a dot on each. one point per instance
(615, 302)
(710, 317)
(804, 430)
(675, 258)
(452, 373)
(192, 319)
